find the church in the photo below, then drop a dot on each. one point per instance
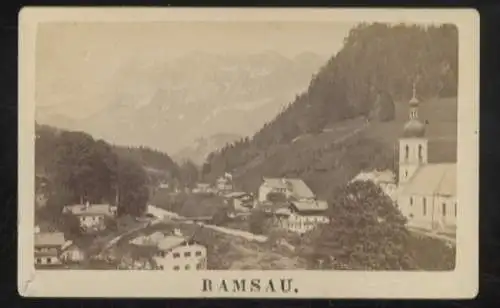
(426, 191)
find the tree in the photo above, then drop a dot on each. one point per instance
(384, 109)
(259, 222)
(220, 216)
(132, 187)
(189, 173)
(366, 231)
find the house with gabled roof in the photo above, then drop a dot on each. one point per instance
(176, 252)
(239, 201)
(92, 217)
(301, 216)
(48, 248)
(290, 188)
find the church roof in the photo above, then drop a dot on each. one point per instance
(414, 128)
(433, 179)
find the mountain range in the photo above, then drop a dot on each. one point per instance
(174, 106)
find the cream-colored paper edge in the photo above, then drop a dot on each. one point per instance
(460, 283)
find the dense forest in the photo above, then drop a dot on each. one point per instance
(78, 168)
(75, 167)
(373, 72)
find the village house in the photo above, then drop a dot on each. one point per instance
(172, 251)
(71, 253)
(224, 184)
(203, 188)
(239, 202)
(295, 189)
(302, 216)
(92, 217)
(48, 247)
(178, 253)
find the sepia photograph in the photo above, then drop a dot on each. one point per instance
(248, 153)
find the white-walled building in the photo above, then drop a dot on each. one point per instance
(180, 254)
(203, 188)
(71, 253)
(426, 191)
(290, 188)
(91, 216)
(302, 216)
(224, 184)
(239, 201)
(48, 247)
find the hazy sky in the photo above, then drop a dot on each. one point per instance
(76, 60)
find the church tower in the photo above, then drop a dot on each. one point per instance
(413, 144)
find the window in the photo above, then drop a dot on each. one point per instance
(420, 157)
(455, 209)
(49, 260)
(199, 266)
(411, 201)
(176, 255)
(406, 173)
(187, 254)
(176, 268)
(444, 209)
(424, 206)
(187, 267)
(161, 254)
(407, 152)
(38, 260)
(160, 267)
(198, 253)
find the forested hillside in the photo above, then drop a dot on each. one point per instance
(347, 120)
(77, 167)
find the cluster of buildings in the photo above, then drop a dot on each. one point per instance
(292, 203)
(425, 192)
(52, 249)
(222, 186)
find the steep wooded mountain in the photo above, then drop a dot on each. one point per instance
(354, 109)
(169, 105)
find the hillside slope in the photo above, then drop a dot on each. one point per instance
(158, 165)
(323, 136)
(337, 154)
